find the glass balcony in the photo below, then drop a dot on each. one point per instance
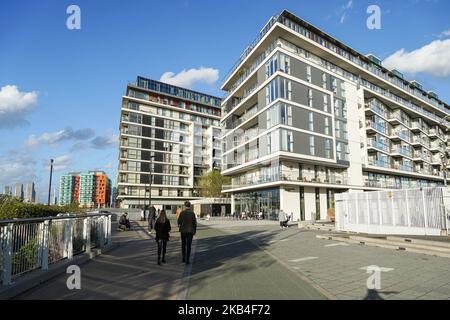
(378, 145)
(332, 179)
(379, 163)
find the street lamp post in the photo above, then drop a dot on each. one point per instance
(50, 181)
(150, 183)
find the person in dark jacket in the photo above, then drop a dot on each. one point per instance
(124, 222)
(162, 228)
(151, 219)
(187, 224)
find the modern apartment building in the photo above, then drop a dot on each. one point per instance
(30, 195)
(306, 116)
(90, 189)
(170, 133)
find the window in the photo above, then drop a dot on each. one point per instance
(308, 74)
(334, 85)
(327, 126)
(287, 141)
(325, 102)
(328, 148)
(286, 114)
(337, 129)
(273, 142)
(285, 63)
(312, 150)
(272, 66)
(324, 80)
(311, 121)
(310, 98)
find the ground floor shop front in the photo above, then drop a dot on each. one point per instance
(301, 203)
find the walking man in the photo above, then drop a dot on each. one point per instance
(187, 223)
(151, 219)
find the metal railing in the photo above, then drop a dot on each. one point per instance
(31, 244)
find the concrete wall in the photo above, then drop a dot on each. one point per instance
(290, 201)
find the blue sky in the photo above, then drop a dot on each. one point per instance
(60, 89)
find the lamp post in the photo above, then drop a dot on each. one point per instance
(50, 181)
(150, 183)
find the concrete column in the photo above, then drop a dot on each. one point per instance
(109, 229)
(87, 234)
(101, 232)
(290, 201)
(44, 244)
(68, 238)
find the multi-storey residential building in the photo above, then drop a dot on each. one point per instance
(18, 190)
(170, 133)
(30, 195)
(306, 116)
(90, 189)
(69, 187)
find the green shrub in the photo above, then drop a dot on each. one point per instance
(13, 208)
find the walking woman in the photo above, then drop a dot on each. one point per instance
(162, 228)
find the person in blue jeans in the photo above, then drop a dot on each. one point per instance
(187, 224)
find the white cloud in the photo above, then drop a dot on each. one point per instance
(103, 142)
(59, 164)
(54, 138)
(14, 105)
(433, 58)
(445, 33)
(187, 78)
(17, 167)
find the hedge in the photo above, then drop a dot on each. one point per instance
(12, 208)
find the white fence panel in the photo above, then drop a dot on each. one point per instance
(404, 212)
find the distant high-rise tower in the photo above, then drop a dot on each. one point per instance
(30, 193)
(8, 191)
(19, 191)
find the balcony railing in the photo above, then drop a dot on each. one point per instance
(379, 163)
(378, 145)
(377, 127)
(333, 179)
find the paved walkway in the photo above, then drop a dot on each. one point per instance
(128, 272)
(223, 267)
(253, 260)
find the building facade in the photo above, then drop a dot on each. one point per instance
(18, 190)
(7, 190)
(306, 117)
(170, 133)
(30, 195)
(90, 189)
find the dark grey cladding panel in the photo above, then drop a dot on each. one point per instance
(298, 69)
(316, 76)
(299, 93)
(301, 143)
(300, 118)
